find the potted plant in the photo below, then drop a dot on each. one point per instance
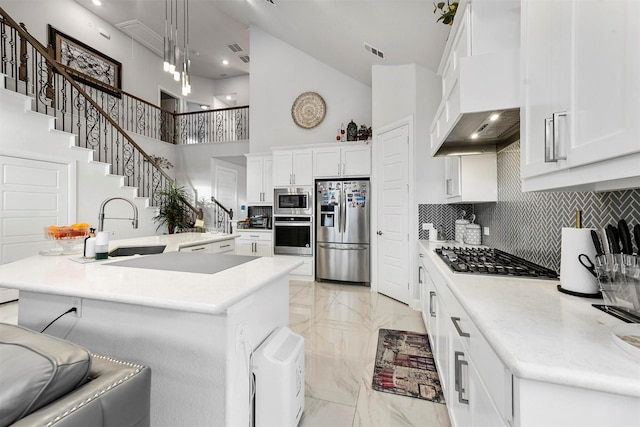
(447, 11)
(174, 212)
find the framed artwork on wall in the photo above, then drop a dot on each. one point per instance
(85, 63)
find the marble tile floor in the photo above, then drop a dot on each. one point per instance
(340, 325)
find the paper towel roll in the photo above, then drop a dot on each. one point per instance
(573, 276)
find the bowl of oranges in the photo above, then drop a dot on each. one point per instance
(68, 237)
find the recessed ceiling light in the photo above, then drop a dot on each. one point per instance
(225, 62)
(228, 97)
(494, 117)
(204, 107)
(474, 135)
(97, 2)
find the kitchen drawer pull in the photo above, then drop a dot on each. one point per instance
(224, 246)
(459, 386)
(198, 249)
(432, 295)
(455, 321)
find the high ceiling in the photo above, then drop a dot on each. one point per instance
(332, 31)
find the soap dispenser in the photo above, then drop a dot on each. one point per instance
(102, 245)
(90, 244)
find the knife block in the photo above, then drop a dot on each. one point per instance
(575, 279)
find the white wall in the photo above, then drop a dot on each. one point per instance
(193, 164)
(279, 73)
(233, 85)
(142, 72)
(400, 91)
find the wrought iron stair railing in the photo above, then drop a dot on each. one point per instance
(30, 69)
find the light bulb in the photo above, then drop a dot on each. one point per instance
(166, 66)
(172, 68)
(176, 75)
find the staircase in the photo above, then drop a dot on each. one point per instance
(30, 135)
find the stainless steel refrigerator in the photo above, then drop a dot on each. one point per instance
(342, 230)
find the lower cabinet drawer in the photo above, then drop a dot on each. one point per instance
(223, 246)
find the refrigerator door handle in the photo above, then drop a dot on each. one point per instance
(343, 200)
(340, 248)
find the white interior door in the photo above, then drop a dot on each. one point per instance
(33, 195)
(393, 213)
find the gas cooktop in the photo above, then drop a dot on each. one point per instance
(492, 262)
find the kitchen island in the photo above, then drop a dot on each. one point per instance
(194, 330)
(526, 354)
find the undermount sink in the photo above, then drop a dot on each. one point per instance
(137, 250)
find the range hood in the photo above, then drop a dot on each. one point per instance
(481, 112)
(482, 132)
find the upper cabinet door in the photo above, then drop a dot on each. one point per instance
(302, 167)
(546, 80)
(356, 161)
(267, 179)
(282, 168)
(606, 113)
(255, 174)
(326, 162)
(580, 122)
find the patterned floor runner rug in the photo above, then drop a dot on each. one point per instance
(405, 366)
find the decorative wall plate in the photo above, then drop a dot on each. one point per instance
(308, 110)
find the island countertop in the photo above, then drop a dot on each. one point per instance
(196, 292)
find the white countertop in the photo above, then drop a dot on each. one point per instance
(542, 334)
(204, 293)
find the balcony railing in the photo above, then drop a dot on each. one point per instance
(228, 124)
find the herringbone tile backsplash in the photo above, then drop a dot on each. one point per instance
(529, 225)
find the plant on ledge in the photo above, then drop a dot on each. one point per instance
(447, 11)
(174, 212)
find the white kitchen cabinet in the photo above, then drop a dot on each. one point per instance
(212, 248)
(259, 179)
(470, 179)
(479, 66)
(254, 243)
(342, 161)
(292, 167)
(580, 127)
(462, 353)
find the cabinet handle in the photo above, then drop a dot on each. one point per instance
(198, 249)
(420, 275)
(224, 246)
(449, 187)
(432, 295)
(552, 137)
(455, 321)
(459, 386)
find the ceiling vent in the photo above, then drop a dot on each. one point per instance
(374, 51)
(234, 47)
(224, 75)
(244, 58)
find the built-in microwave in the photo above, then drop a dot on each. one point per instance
(293, 201)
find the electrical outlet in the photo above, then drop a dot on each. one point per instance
(77, 303)
(426, 225)
(486, 231)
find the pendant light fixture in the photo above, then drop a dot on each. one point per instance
(171, 53)
(186, 64)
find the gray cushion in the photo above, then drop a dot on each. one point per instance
(36, 369)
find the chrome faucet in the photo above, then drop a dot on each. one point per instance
(101, 217)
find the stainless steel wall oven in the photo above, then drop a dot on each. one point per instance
(293, 235)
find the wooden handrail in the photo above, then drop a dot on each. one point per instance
(227, 211)
(61, 70)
